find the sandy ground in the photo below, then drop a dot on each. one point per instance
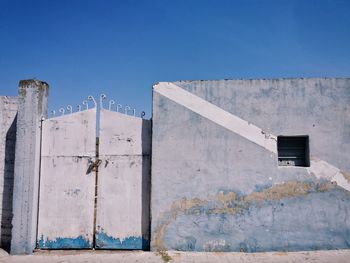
(174, 256)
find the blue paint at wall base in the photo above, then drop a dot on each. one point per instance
(64, 243)
(316, 221)
(104, 241)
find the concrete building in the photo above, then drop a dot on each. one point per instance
(251, 165)
(234, 165)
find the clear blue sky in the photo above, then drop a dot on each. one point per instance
(121, 48)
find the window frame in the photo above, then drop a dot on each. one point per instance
(286, 141)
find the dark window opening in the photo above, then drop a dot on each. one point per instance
(293, 151)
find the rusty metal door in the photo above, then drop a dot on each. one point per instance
(67, 182)
(122, 219)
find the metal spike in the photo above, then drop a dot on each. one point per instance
(70, 108)
(126, 109)
(119, 106)
(111, 102)
(102, 97)
(90, 97)
(86, 104)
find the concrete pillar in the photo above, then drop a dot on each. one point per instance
(32, 106)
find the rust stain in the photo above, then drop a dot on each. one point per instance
(231, 203)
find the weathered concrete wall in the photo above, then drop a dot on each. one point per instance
(8, 112)
(216, 183)
(32, 106)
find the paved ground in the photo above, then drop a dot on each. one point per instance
(172, 256)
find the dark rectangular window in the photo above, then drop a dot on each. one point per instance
(293, 150)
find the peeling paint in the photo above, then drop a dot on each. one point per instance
(64, 242)
(105, 241)
(230, 203)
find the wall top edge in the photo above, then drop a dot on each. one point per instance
(31, 82)
(257, 79)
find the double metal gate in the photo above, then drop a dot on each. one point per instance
(94, 197)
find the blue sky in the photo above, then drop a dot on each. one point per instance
(120, 48)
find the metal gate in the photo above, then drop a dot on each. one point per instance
(123, 182)
(67, 186)
(94, 197)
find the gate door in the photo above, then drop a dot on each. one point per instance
(66, 202)
(122, 220)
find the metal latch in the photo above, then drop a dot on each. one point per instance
(93, 165)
